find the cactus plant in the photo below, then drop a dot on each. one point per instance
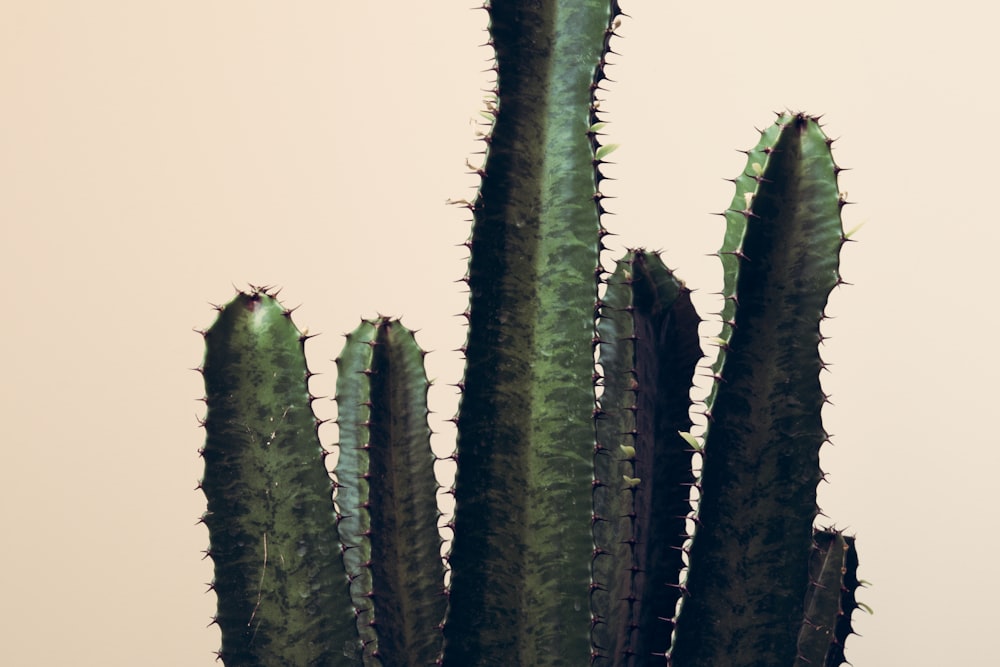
(575, 459)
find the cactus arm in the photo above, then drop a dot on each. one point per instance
(648, 352)
(520, 559)
(823, 595)
(386, 479)
(829, 600)
(850, 584)
(270, 519)
(749, 559)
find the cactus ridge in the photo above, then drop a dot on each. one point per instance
(830, 600)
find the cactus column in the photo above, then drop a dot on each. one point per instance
(387, 513)
(649, 348)
(278, 572)
(749, 562)
(520, 562)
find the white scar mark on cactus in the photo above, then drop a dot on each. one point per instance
(274, 433)
(748, 198)
(756, 169)
(260, 590)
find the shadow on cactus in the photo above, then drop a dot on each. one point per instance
(572, 538)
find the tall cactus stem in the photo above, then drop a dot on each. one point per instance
(520, 560)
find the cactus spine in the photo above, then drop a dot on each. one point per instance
(573, 485)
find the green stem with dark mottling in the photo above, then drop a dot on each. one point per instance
(648, 352)
(830, 602)
(386, 496)
(520, 561)
(749, 559)
(278, 572)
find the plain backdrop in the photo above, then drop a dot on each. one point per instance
(154, 154)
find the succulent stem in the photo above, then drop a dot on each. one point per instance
(520, 560)
(278, 574)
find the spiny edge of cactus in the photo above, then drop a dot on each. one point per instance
(353, 526)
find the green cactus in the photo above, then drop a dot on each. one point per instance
(387, 511)
(572, 541)
(748, 560)
(278, 571)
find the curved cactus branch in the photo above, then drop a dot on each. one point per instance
(749, 559)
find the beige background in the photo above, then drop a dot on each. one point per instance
(154, 153)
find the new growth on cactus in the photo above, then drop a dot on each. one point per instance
(591, 527)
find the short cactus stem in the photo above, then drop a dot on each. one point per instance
(278, 574)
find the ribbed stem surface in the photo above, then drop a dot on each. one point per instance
(749, 560)
(278, 572)
(522, 529)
